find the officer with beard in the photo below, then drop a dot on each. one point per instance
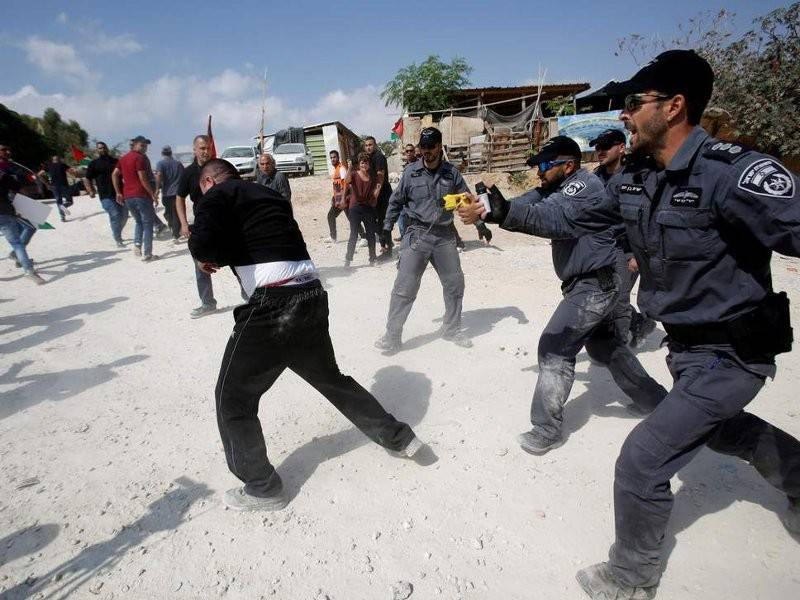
(703, 218)
(585, 262)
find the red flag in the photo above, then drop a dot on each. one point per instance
(77, 154)
(398, 128)
(212, 147)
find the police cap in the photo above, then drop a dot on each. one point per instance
(608, 138)
(672, 72)
(559, 145)
(429, 137)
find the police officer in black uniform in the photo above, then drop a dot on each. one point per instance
(702, 217)
(586, 264)
(429, 238)
(610, 146)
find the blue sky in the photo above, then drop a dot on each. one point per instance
(158, 68)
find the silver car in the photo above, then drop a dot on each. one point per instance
(294, 158)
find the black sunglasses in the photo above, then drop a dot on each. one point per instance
(634, 102)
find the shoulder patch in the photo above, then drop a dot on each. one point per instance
(573, 188)
(767, 177)
(728, 152)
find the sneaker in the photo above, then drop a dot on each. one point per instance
(388, 344)
(459, 339)
(534, 442)
(599, 584)
(137, 250)
(35, 277)
(791, 520)
(120, 244)
(64, 209)
(639, 332)
(414, 446)
(363, 243)
(239, 499)
(149, 258)
(203, 310)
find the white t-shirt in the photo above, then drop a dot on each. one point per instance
(282, 272)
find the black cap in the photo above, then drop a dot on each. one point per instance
(429, 137)
(559, 145)
(141, 138)
(609, 137)
(671, 72)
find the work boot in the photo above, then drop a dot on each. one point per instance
(35, 277)
(534, 442)
(791, 520)
(239, 499)
(389, 345)
(599, 584)
(203, 310)
(458, 338)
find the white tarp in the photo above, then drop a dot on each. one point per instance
(34, 211)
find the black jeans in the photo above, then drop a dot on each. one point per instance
(171, 216)
(283, 328)
(358, 215)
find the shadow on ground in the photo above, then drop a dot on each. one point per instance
(32, 388)
(164, 515)
(405, 394)
(26, 541)
(473, 322)
(56, 323)
(57, 268)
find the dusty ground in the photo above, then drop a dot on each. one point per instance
(112, 469)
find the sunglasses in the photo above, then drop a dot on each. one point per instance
(546, 165)
(634, 102)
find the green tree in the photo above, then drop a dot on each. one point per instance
(59, 135)
(28, 145)
(757, 74)
(426, 87)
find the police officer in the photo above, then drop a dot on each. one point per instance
(702, 218)
(428, 238)
(585, 263)
(610, 146)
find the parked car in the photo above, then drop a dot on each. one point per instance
(185, 158)
(244, 158)
(294, 158)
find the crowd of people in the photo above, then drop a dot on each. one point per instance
(695, 219)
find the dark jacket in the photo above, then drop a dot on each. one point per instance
(555, 214)
(243, 223)
(11, 180)
(703, 229)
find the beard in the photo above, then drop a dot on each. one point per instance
(650, 138)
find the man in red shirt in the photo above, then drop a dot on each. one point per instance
(131, 178)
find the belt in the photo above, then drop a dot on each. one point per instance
(412, 222)
(701, 334)
(605, 275)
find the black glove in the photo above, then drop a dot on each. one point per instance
(499, 206)
(385, 237)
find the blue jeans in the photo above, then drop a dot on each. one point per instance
(62, 197)
(142, 211)
(117, 216)
(205, 288)
(18, 232)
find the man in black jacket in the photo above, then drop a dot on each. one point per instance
(285, 324)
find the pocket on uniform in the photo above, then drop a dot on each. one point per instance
(685, 234)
